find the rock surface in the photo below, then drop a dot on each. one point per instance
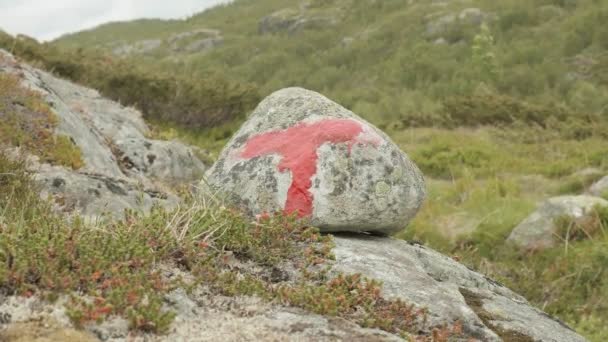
(417, 275)
(123, 168)
(538, 230)
(451, 292)
(600, 188)
(301, 153)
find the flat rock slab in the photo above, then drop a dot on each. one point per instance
(302, 153)
(450, 291)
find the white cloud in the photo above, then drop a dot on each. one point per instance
(45, 20)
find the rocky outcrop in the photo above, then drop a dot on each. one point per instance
(438, 26)
(302, 153)
(293, 21)
(140, 47)
(538, 231)
(123, 168)
(196, 41)
(451, 292)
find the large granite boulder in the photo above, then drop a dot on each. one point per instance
(538, 231)
(123, 167)
(302, 153)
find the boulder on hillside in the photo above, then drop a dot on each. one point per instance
(538, 231)
(123, 167)
(293, 21)
(600, 188)
(302, 153)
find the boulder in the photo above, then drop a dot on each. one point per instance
(123, 167)
(600, 188)
(449, 291)
(302, 153)
(538, 231)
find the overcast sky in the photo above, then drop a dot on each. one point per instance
(48, 19)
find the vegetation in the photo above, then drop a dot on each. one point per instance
(161, 96)
(27, 122)
(499, 113)
(43, 253)
(391, 61)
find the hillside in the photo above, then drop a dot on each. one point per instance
(503, 105)
(102, 241)
(392, 60)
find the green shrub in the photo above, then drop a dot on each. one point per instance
(492, 109)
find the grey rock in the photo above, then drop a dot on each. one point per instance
(360, 183)
(123, 168)
(139, 47)
(95, 196)
(450, 291)
(293, 21)
(538, 230)
(196, 41)
(600, 188)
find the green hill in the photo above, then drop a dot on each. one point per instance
(389, 60)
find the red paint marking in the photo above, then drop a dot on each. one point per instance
(298, 146)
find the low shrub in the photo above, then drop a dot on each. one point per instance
(27, 122)
(498, 110)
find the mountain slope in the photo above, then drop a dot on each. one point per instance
(388, 60)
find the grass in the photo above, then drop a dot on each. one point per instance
(114, 267)
(544, 53)
(27, 122)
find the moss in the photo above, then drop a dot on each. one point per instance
(26, 121)
(475, 302)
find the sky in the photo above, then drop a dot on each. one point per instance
(49, 19)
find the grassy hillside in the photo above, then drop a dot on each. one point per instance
(393, 60)
(501, 103)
